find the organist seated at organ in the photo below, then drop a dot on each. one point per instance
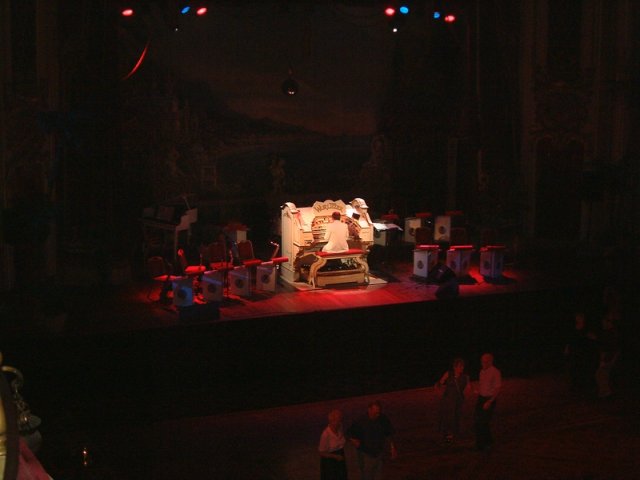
(336, 235)
(340, 237)
(327, 242)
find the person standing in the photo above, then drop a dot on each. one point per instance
(455, 384)
(331, 448)
(489, 383)
(370, 435)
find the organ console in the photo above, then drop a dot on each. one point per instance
(303, 231)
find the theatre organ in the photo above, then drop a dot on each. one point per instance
(303, 232)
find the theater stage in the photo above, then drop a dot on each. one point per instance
(95, 307)
(380, 334)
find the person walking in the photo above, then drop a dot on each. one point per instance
(489, 383)
(370, 435)
(333, 465)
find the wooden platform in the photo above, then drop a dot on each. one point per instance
(95, 309)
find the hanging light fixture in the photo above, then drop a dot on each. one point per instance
(290, 86)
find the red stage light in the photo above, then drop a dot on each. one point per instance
(201, 11)
(127, 12)
(389, 11)
(450, 18)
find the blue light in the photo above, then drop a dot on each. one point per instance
(404, 9)
(185, 10)
(436, 15)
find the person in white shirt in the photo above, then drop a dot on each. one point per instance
(331, 448)
(336, 235)
(489, 383)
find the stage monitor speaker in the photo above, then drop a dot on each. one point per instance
(442, 274)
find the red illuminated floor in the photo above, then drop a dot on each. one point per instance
(102, 308)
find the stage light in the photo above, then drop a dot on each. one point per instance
(186, 9)
(201, 11)
(396, 13)
(436, 15)
(129, 9)
(450, 18)
(396, 24)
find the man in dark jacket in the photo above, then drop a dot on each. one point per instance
(370, 435)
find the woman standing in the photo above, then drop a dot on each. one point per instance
(455, 384)
(331, 448)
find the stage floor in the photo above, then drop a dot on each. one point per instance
(95, 308)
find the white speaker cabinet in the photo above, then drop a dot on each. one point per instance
(240, 281)
(425, 259)
(410, 225)
(492, 261)
(212, 285)
(459, 259)
(266, 276)
(182, 291)
(442, 228)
